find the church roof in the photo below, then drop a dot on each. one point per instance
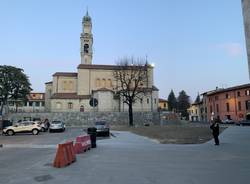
(69, 96)
(162, 100)
(105, 67)
(154, 88)
(66, 74)
(49, 82)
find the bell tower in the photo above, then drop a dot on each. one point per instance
(86, 40)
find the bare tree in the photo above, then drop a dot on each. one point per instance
(131, 78)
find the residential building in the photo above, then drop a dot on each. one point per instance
(230, 103)
(35, 103)
(163, 104)
(195, 112)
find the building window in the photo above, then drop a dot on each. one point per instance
(141, 100)
(70, 105)
(216, 97)
(248, 105)
(43, 103)
(196, 111)
(205, 109)
(247, 92)
(227, 96)
(98, 83)
(65, 85)
(239, 106)
(30, 104)
(155, 100)
(104, 83)
(211, 108)
(37, 104)
(164, 105)
(58, 105)
(147, 101)
(109, 83)
(228, 109)
(217, 107)
(238, 93)
(70, 85)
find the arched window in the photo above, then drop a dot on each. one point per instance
(70, 85)
(58, 105)
(64, 86)
(81, 108)
(104, 83)
(98, 83)
(70, 105)
(109, 83)
(86, 48)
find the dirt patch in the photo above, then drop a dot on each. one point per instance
(174, 134)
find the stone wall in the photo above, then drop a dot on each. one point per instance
(88, 118)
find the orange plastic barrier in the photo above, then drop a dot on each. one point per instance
(65, 155)
(82, 144)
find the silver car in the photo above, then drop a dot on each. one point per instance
(57, 126)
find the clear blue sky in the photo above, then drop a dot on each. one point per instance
(195, 45)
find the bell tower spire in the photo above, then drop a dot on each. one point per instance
(86, 40)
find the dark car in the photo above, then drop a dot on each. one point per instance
(245, 123)
(102, 128)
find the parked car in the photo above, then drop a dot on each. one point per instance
(244, 123)
(6, 123)
(22, 127)
(227, 121)
(57, 126)
(102, 128)
(43, 126)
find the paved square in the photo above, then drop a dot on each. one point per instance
(128, 158)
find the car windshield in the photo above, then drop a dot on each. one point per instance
(100, 123)
(56, 122)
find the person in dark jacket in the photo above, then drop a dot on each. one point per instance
(216, 131)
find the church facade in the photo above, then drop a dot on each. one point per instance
(93, 87)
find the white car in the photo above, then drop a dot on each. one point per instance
(22, 127)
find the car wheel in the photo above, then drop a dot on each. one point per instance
(10, 132)
(35, 131)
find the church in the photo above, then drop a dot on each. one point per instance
(93, 87)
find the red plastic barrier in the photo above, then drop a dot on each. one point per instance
(82, 144)
(65, 155)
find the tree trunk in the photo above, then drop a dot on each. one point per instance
(2, 105)
(130, 111)
(16, 107)
(1, 112)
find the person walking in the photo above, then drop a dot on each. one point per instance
(216, 131)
